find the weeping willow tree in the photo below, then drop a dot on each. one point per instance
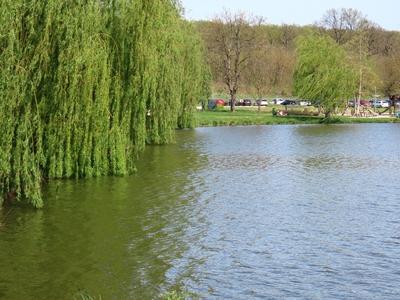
(323, 73)
(196, 76)
(85, 84)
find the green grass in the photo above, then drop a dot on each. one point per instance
(248, 117)
(348, 120)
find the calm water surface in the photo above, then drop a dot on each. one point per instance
(269, 212)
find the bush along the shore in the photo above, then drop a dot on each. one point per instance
(85, 84)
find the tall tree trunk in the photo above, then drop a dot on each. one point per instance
(233, 101)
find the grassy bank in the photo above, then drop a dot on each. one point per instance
(247, 117)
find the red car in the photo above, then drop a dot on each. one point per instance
(365, 103)
(214, 103)
(219, 102)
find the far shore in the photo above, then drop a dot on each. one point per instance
(242, 117)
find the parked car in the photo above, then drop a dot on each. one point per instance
(214, 103)
(262, 102)
(305, 103)
(247, 102)
(288, 102)
(378, 103)
(220, 102)
(239, 102)
(364, 103)
(394, 103)
(278, 100)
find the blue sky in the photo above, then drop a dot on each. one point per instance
(384, 12)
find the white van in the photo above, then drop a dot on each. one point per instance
(380, 103)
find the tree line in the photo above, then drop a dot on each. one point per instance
(259, 59)
(86, 84)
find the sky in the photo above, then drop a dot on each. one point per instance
(386, 13)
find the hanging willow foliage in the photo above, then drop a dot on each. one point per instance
(85, 84)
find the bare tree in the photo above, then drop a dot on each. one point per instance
(268, 59)
(235, 42)
(374, 38)
(389, 68)
(270, 70)
(390, 43)
(288, 35)
(342, 23)
(256, 72)
(361, 47)
(334, 22)
(353, 19)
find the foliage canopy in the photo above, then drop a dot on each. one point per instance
(85, 84)
(323, 73)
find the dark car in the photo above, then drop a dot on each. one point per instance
(289, 102)
(247, 102)
(237, 102)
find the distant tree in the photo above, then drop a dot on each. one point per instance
(360, 50)
(323, 73)
(235, 40)
(374, 38)
(342, 23)
(389, 68)
(270, 71)
(390, 42)
(288, 35)
(256, 74)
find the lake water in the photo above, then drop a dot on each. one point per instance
(268, 212)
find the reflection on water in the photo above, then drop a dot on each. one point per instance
(307, 212)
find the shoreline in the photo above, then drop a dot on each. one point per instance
(251, 118)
